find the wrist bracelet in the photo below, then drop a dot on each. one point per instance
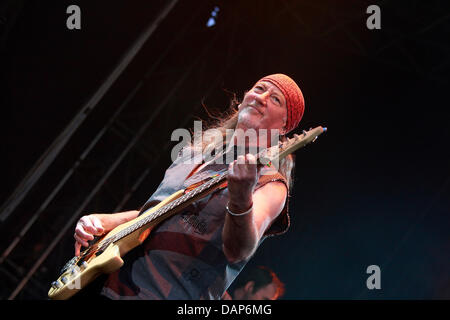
(239, 214)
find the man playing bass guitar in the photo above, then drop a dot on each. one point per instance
(197, 253)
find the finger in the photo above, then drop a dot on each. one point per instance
(80, 232)
(231, 168)
(87, 224)
(253, 163)
(82, 242)
(98, 225)
(77, 248)
(250, 159)
(240, 160)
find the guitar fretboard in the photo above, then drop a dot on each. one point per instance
(208, 185)
(282, 150)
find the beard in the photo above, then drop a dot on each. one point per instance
(249, 118)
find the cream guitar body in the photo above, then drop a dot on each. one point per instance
(102, 259)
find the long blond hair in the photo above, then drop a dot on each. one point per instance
(228, 120)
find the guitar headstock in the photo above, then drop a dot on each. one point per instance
(277, 153)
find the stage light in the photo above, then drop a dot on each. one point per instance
(212, 20)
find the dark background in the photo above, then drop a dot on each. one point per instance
(373, 190)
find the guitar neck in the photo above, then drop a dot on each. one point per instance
(175, 206)
(104, 257)
(209, 186)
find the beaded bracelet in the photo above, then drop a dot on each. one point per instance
(239, 214)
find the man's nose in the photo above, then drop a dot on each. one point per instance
(262, 97)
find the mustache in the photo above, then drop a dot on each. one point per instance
(254, 105)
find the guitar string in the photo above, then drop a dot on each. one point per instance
(215, 180)
(102, 245)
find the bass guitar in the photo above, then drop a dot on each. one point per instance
(105, 254)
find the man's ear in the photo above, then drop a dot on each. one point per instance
(249, 286)
(284, 130)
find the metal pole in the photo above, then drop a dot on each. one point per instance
(64, 180)
(52, 152)
(25, 229)
(105, 177)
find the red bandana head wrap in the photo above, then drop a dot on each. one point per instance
(295, 103)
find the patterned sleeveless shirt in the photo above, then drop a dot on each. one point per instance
(182, 259)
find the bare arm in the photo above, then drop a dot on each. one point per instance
(241, 234)
(97, 224)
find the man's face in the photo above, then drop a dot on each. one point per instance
(268, 292)
(263, 107)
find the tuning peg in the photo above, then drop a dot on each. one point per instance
(75, 271)
(304, 133)
(56, 284)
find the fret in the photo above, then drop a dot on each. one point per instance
(171, 208)
(181, 200)
(184, 198)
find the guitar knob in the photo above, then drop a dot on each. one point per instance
(56, 284)
(64, 280)
(74, 272)
(83, 265)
